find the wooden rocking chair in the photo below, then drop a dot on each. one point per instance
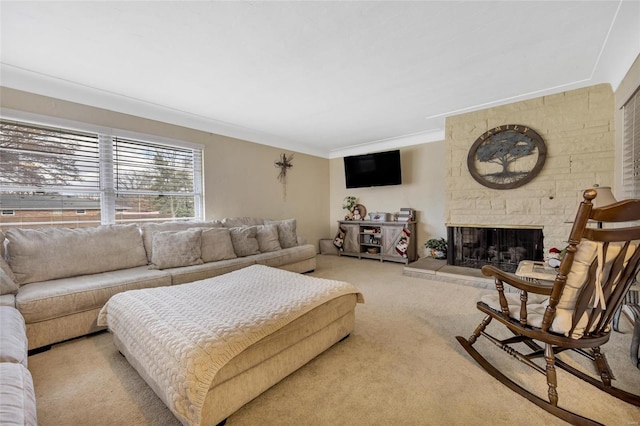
(575, 311)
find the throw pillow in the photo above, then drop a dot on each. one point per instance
(7, 279)
(217, 245)
(286, 232)
(172, 249)
(238, 222)
(51, 253)
(244, 240)
(149, 229)
(268, 240)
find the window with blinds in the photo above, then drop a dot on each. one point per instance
(155, 180)
(34, 158)
(50, 174)
(631, 147)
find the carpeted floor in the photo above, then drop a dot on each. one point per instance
(401, 366)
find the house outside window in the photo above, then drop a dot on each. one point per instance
(67, 177)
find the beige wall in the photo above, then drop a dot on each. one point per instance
(423, 171)
(578, 129)
(240, 178)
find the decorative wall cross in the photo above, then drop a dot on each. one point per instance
(284, 164)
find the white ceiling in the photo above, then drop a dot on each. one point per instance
(323, 78)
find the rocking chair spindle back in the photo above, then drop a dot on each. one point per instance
(575, 311)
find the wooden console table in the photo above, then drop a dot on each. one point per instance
(378, 240)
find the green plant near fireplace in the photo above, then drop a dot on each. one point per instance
(437, 248)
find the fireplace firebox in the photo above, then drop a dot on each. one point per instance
(474, 247)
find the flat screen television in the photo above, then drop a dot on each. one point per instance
(377, 169)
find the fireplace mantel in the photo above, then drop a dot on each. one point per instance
(500, 226)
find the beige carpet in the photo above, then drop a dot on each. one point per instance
(401, 366)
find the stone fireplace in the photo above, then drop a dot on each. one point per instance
(474, 247)
(578, 129)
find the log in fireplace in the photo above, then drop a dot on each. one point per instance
(474, 247)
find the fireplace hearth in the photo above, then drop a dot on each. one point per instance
(474, 247)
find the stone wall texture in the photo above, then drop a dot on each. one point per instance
(578, 129)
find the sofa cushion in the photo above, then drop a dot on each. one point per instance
(13, 336)
(216, 245)
(189, 274)
(268, 240)
(49, 253)
(244, 241)
(148, 229)
(172, 249)
(51, 299)
(1, 244)
(286, 232)
(7, 279)
(8, 300)
(17, 395)
(586, 254)
(286, 256)
(237, 222)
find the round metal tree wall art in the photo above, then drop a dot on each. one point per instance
(507, 157)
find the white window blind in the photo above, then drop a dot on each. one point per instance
(631, 147)
(107, 193)
(158, 177)
(143, 167)
(48, 174)
(36, 158)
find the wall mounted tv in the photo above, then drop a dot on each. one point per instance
(377, 169)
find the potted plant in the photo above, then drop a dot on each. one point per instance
(348, 204)
(437, 248)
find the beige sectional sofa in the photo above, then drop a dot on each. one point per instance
(65, 276)
(17, 395)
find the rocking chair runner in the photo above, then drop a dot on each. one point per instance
(575, 312)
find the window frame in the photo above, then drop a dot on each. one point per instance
(630, 167)
(107, 136)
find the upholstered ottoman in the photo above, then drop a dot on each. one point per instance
(209, 347)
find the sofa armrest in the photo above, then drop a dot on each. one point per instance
(17, 395)
(13, 336)
(8, 300)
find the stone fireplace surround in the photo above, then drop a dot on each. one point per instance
(578, 129)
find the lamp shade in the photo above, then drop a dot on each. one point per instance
(604, 197)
